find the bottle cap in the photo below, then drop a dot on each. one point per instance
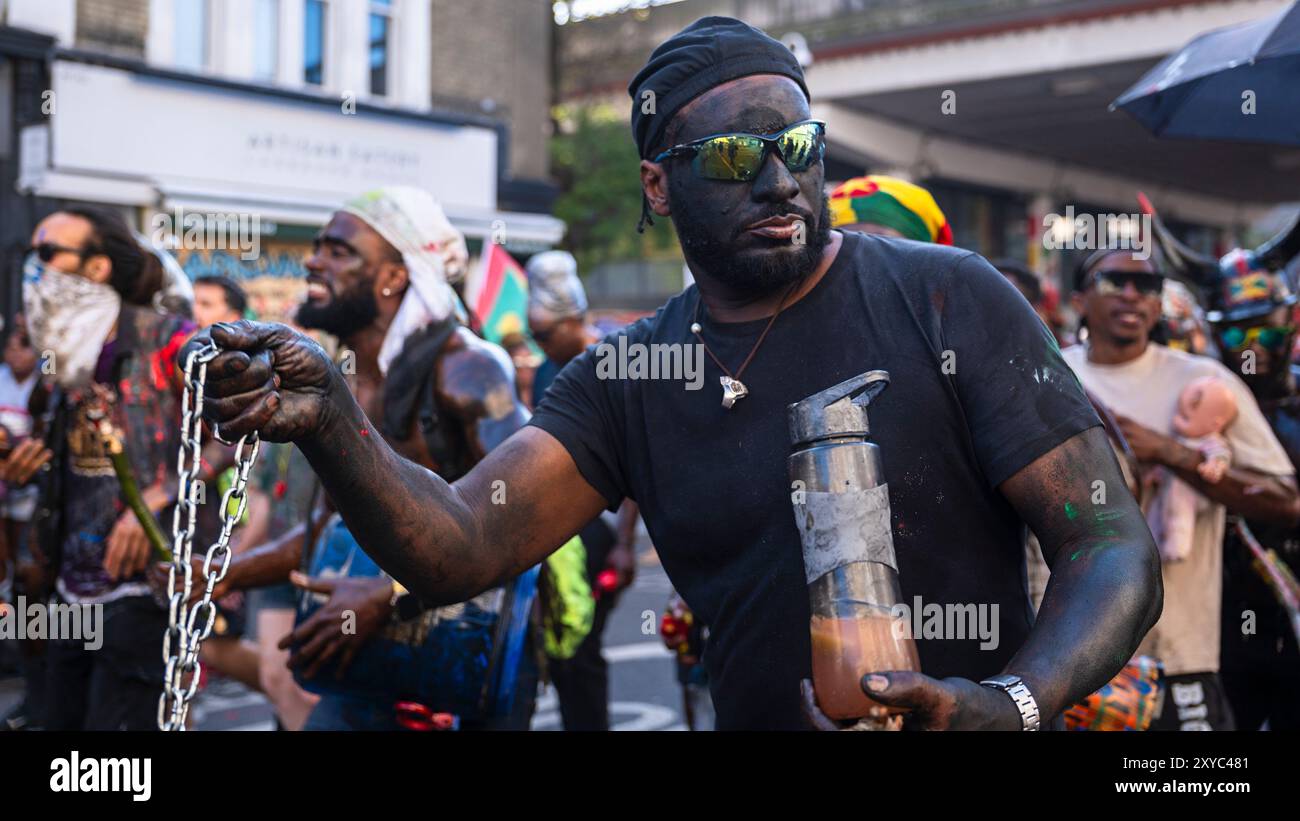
(837, 411)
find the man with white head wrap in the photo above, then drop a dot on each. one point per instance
(557, 314)
(439, 395)
(433, 251)
(557, 321)
(553, 285)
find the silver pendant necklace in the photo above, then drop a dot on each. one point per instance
(732, 388)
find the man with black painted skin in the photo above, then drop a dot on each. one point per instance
(1001, 437)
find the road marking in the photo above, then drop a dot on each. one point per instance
(644, 716)
(649, 716)
(269, 724)
(636, 652)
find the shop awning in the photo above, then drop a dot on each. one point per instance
(508, 227)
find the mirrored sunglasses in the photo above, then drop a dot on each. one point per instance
(739, 157)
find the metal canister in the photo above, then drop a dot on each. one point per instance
(841, 507)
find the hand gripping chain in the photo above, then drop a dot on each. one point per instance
(183, 637)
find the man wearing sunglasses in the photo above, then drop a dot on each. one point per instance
(999, 436)
(557, 321)
(1119, 296)
(379, 280)
(88, 291)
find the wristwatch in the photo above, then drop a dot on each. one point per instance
(1015, 687)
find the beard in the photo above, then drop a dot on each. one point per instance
(711, 242)
(343, 315)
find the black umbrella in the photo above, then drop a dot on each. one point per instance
(1236, 83)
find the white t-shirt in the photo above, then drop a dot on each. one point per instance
(16, 503)
(13, 402)
(1146, 390)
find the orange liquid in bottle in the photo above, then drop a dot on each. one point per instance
(846, 649)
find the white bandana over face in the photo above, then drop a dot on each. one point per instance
(68, 318)
(432, 249)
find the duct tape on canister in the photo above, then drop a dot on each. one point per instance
(841, 528)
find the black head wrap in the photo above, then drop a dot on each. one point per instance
(707, 53)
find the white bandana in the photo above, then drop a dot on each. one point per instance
(68, 318)
(432, 249)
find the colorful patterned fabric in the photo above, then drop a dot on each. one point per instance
(894, 203)
(1247, 290)
(1127, 703)
(139, 369)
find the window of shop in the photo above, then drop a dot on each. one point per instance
(266, 39)
(313, 45)
(992, 222)
(191, 26)
(381, 31)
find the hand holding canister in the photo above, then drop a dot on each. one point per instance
(841, 507)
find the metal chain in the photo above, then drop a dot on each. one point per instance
(185, 633)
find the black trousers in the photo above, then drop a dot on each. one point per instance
(582, 682)
(1261, 671)
(1264, 689)
(114, 687)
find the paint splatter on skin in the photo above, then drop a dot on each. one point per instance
(1105, 516)
(1108, 543)
(1100, 602)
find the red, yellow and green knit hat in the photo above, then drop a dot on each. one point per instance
(889, 201)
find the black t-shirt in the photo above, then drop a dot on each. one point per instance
(712, 483)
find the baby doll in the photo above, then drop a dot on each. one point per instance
(1205, 408)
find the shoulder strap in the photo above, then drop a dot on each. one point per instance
(440, 445)
(410, 389)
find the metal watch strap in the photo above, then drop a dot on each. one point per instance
(1015, 687)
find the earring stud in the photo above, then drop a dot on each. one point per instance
(388, 292)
